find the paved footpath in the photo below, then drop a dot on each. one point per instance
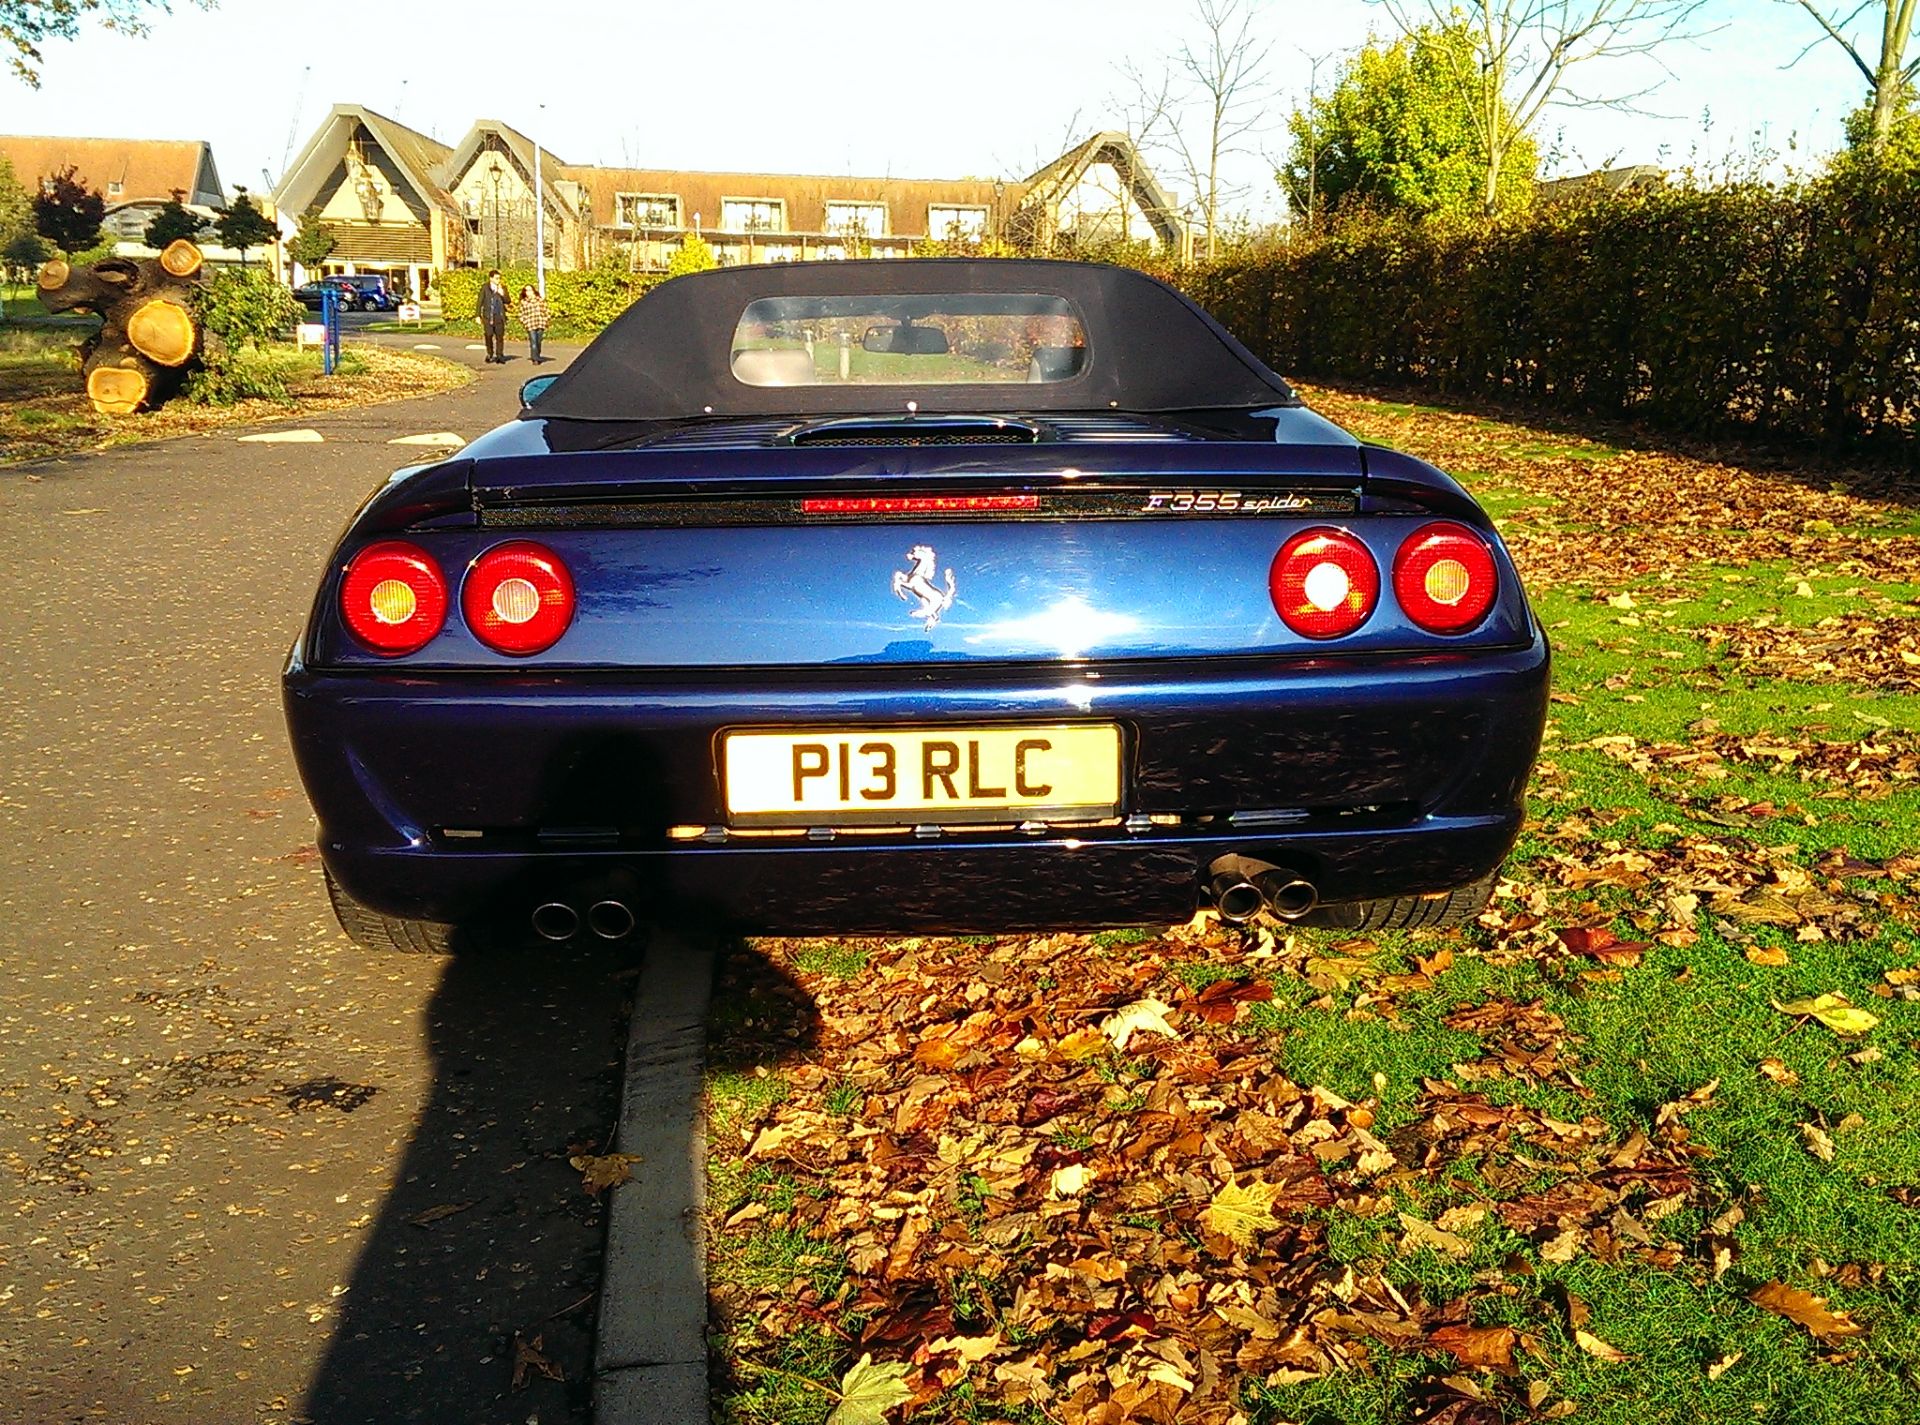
(249, 1173)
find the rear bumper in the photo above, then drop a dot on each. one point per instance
(950, 887)
(1374, 777)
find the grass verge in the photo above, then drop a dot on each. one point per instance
(44, 412)
(1593, 1158)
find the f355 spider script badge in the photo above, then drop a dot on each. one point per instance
(915, 585)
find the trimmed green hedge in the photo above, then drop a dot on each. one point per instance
(1794, 311)
(1790, 310)
(580, 303)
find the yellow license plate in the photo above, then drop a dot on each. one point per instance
(910, 776)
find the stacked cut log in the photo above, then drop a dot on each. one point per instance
(149, 338)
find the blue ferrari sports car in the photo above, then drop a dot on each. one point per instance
(890, 596)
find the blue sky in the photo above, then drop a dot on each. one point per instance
(987, 87)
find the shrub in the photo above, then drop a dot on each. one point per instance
(579, 303)
(694, 254)
(240, 310)
(241, 376)
(245, 306)
(23, 255)
(1696, 309)
(107, 247)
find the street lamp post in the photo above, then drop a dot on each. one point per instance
(494, 171)
(539, 221)
(999, 212)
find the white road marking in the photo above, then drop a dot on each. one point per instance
(285, 437)
(476, 346)
(432, 437)
(429, 346)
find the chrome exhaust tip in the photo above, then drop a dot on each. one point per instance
(1288, 897)
(1236, 898)
(556, 920)
(610, 920)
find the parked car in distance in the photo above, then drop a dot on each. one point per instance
(374, 293)
(896, 597)
(308, 294)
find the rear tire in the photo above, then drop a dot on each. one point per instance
(1461, 906)
(373, 931)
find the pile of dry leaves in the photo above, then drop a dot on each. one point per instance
(1865, 769)
(1857, 649)
(1064, 1176)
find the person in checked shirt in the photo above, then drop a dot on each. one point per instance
(533, 316)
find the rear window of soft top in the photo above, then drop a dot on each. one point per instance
(918, 339)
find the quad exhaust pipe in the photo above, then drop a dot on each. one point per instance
(1288, 897)
(556, 921)
(1242, 887)
(609, 919)
(1236, 898)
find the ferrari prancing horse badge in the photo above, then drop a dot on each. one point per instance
(915, 585)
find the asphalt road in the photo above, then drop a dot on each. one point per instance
(251, 1173)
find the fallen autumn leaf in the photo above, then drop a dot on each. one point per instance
(601, 1171)
(1239, 1213)
(1807, 1309)
(868, 1392)
(1833, 1010)
(1146, 1016)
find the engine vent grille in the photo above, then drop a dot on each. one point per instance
(1096, 430)
(721, 435)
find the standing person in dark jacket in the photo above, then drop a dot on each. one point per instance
(533, 316)
(493, 316)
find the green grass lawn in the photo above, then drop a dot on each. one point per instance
(36, 360)
(20, 301)
(1597, 1136)
(44, 410)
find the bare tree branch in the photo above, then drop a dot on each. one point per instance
(1891, 76)
(1207, 102)
(1837, 33)
(1523, 49)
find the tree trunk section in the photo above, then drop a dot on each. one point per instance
(162, 331)
(181, 258)
(121, 381)
(149, 337)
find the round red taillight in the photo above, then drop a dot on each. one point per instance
(1324, 583)
(518, 598)
(394, 597)
(1444, 578)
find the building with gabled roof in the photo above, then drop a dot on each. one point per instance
(378, 184)
(1101, 188)
(120, 170)
(403, 204)
(134, 177)
(1602, 182)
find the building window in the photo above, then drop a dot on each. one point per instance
(945, 220)
(753, 215)
(857, 219)
(646, 210)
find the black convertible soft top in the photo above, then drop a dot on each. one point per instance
(1149, 348)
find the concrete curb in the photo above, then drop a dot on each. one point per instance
(650, 1355)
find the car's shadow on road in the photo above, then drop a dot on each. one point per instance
(475, 1297)
(488, 1236)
